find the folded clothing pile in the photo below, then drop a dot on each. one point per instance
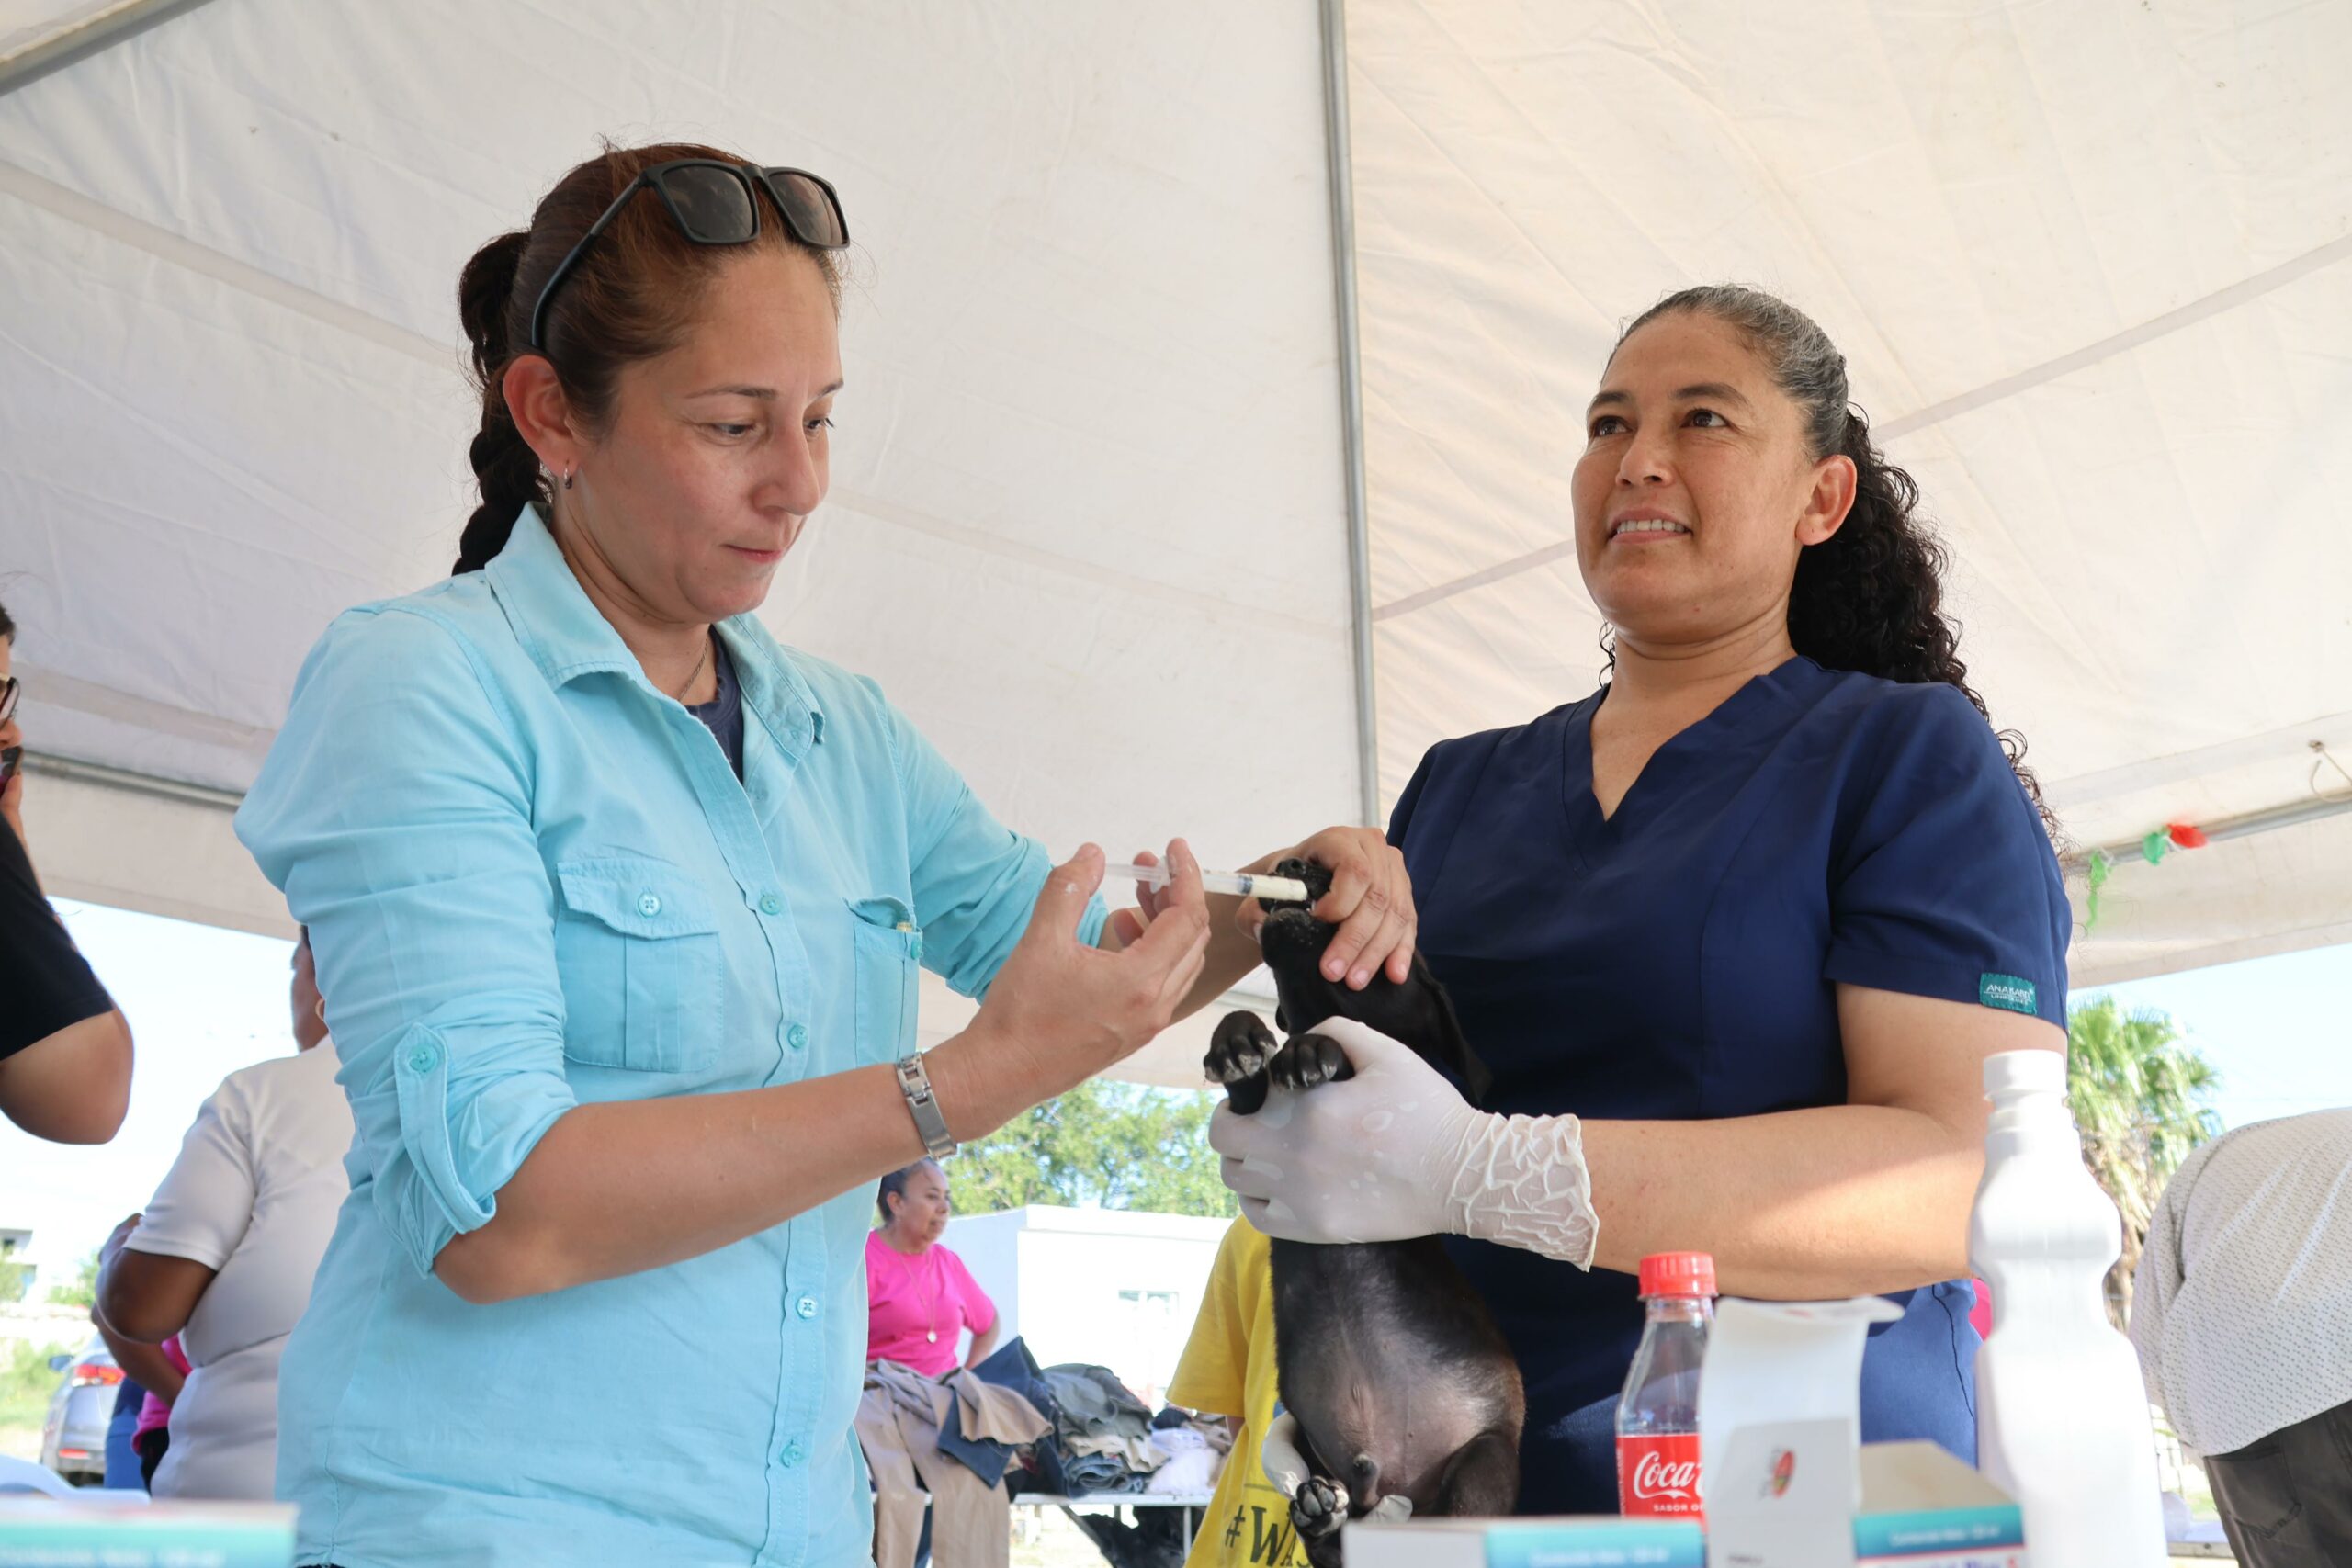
(1102, 1436)
(1195, 1448)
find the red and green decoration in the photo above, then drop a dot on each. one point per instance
(2153, 848)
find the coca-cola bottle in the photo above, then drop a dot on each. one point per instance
(1658, 1416)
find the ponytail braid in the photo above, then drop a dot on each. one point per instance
(504, 465)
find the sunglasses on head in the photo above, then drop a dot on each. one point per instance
(714, 203)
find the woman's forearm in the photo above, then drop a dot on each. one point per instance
(984, 1343)
(619, 1187)
(1233, 953)
(143, 1364)
(1798, 1205)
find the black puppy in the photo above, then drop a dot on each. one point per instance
(1400, 1382)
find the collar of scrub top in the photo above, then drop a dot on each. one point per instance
(566, 636)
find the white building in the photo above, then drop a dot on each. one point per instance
(1119, 1290)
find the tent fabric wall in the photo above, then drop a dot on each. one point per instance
(1085, 525)
(2090, 264)
(2091, 267)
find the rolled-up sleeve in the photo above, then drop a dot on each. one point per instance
(975, 881)
(395, 813)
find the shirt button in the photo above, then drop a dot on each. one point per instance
(806, 1306)
(648, 904)
(420, 1060)
(771, 905)
(792, 1453)
(797, 1036)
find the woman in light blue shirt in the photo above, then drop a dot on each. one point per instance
(620, 905)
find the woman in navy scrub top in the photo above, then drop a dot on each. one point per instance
(1739, 930)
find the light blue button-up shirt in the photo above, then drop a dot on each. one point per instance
(532, 880)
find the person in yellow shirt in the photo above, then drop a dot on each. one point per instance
(1227, 1369)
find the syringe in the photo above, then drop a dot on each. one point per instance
(1246, 885)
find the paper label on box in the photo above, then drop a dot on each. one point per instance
(1598, 1543)
(1970, 1535)
(1658, 1475)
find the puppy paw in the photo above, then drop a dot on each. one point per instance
(1240, 1049)
(1319, 1509)
(1308, 1060)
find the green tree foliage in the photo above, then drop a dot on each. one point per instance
(15, 1277)
(2141, 1095)
(1101, 1145)
(82, 1291)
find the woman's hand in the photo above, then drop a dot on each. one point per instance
(1371, 901)
(1394, 1152)
(1373, 1157)
(1058, 1011)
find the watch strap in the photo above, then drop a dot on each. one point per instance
(914, 1082)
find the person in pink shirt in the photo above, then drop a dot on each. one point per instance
(919, 1297)
(153, 1435)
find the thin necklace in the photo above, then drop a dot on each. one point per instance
(698, 665)
(930, 1305)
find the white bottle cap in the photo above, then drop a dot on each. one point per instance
(2013, 1072)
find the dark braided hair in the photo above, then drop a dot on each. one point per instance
(1869, 597)
(632, 296)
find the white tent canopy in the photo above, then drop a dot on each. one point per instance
(1092, 521)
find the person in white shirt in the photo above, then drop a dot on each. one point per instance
(2242, 1314)
(225, 1254)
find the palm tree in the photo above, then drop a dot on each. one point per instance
(2140, 1094)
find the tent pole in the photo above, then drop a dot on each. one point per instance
(110, 25)
(1343, 290)
(130, 783)
(2245, 827)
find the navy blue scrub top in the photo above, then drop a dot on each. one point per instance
(1680, 960)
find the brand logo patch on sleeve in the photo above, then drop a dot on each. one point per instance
(2007, 992)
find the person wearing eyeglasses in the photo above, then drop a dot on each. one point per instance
(618, 904)
(64, 1047)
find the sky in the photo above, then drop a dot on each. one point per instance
(204, 1002)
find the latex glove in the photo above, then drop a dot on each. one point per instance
(1281, 1456)
(1396, 1153)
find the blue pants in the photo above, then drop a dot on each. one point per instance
(122, 1464)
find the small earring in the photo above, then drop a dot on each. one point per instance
(567, 477)
(320, 1007)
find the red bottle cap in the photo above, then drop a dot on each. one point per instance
(1677, 1274)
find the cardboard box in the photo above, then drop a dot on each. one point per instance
(1921, 1508)
(1529, 1543)
(44, 1532)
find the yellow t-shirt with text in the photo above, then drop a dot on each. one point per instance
(1228, 1368)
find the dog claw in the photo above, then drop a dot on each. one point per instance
(1307, 1061)
(1319, 1509)
(1240, 1049)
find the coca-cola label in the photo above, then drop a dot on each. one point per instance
(1658, 1475)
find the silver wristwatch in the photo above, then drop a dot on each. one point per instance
(923, 1105)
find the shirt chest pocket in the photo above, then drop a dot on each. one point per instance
(885, 950)
(644, 979)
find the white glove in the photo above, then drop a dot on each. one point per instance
(1281, 1458)
(1395, 1153)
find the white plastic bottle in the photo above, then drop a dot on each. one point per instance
(2062, 1414)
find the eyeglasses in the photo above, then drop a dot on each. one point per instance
(10, 690)
(713, 204)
